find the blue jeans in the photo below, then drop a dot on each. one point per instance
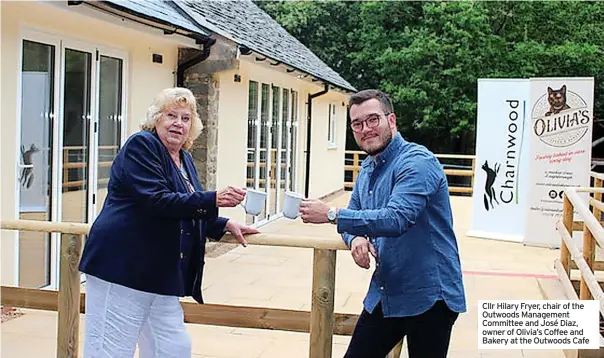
(428, 334)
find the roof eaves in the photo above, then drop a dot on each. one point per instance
(197, 33)
(212, 28)
(295, 68)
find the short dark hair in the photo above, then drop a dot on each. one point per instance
(365, 95)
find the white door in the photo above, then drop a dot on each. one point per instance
(72, 99)
(271, 142)
(36, 161)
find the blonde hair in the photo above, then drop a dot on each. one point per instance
(176, 96)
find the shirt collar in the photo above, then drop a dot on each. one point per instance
(391, 151)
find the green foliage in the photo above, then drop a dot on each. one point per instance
(429, 55)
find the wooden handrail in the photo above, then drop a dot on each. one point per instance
(323, 321)
(577, 256)
(597, 175)
(310, 242)
(590, 221)
(354, 165)
(593, 233)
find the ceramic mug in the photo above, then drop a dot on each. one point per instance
(254, 202)
(291, 204)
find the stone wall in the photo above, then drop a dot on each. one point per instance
(201, 79)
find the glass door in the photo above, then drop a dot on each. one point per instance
(109, 128)
(292, 142)
(283, 148)
(35, 161)
(263, 149)
(76, 158)
(271, 145)
(274, 149)
(63, 164)
(253, 136)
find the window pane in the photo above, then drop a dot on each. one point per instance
(110, 114)
(252, 121)
(35, 174)
(76, 135)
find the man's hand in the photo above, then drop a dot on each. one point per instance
(230, 196)
(239, 230)
(314, 211)
(360, 248)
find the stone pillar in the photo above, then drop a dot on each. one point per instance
(205, 148)
(201, 79)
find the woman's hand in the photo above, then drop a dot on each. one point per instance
(230, 196)
(239, 230)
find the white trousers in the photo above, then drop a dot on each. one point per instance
(118, 317)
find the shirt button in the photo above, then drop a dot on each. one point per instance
(382, 288)
(370, 191)
(181, 255)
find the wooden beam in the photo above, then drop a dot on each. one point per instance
(587, 276)
(46, 226)
(68, 335)
(569, 224)
(460, 189)
(322, 315)
(209, 314)
(459, 172)
(597, 266)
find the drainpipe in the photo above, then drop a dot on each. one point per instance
(180, 71)
(308, 135)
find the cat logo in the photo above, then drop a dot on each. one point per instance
(560, 117)
(489, 191)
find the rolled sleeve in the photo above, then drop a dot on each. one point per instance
(412, 188)
(354, 204)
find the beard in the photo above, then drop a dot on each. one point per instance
(384, 139)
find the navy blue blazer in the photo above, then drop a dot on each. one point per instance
(151, 233)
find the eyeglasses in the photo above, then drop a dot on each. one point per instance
(371, 122)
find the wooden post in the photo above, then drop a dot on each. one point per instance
(567, 220)
(589, 254)
(597, 196)
(396, 351)
(473, 175)
(69, 297)
(322, 306)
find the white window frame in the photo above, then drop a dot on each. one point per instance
(61, 41)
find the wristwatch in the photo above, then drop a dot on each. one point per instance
(332, 215)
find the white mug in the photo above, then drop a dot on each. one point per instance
(254, 202)
(291, 204)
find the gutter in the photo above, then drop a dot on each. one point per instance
(143, 19)
(180, 71)
(308, 135)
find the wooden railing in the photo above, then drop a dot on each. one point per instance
(68, 164)
(321, 322)
(353, 159)
(571, 256)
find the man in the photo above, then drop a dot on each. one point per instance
(399, 213)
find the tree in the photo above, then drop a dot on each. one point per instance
(429, 55)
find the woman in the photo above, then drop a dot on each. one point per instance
(146, 248)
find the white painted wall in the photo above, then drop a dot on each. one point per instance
(144, 80)
(327, 164)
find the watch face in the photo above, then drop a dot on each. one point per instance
(331, 214)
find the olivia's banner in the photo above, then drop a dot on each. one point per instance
(561, 114)
(502, 156)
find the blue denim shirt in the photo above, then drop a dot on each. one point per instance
(400, 201)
